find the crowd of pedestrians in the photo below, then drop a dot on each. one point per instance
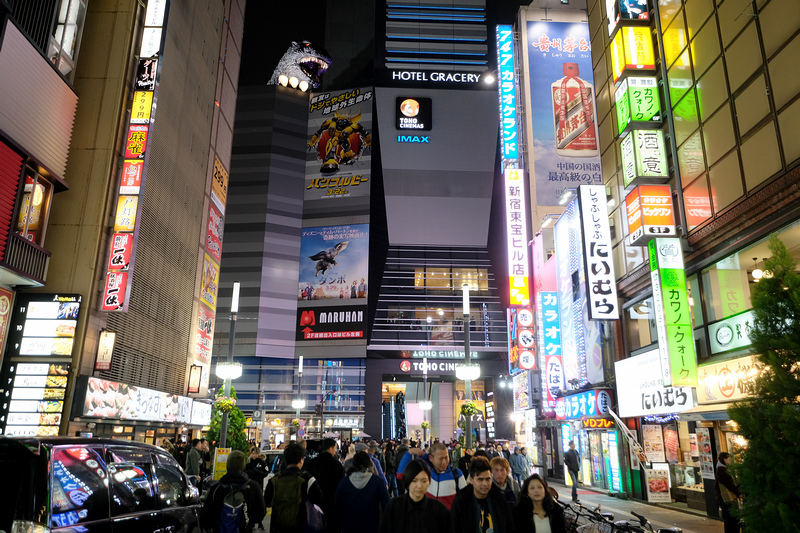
(390, 487)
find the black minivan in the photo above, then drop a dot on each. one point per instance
(82, 485)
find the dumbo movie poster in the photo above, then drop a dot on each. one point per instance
(334, 263)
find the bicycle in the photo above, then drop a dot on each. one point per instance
(641, 525)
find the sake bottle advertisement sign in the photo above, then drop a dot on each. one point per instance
(566, 147)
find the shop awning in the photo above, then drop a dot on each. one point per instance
(717, 411)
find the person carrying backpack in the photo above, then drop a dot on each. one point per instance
(288, 492)
(234, 504)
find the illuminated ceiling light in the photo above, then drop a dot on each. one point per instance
(428, 319)
(229, 370)
(566, 195)
(757, 272)
(549, 220)
(691, 301)
(489, 78)
(293, 82)
(298, 403)
(304, 85)
(767, 273)
(283, 79)
(426, 405)
(440, 312)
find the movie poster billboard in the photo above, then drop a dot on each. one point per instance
(581, 338)
(478, 395)
(334, 263)
(566, 147)
(339, 143)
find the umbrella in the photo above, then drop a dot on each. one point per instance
(361, 435)
(330, 434)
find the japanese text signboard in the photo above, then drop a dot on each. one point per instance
(632, 49)
(507, 87)
(600, 278)
(638, 103)
(122, 247)
(640, 391)
(516, 237)
(728, 381)
(521, 340)
(650, 214)
(673, 318)
(644, 157)
(591, 403)
(550, 346)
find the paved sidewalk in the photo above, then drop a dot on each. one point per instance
(658, 516)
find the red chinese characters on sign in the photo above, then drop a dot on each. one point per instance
(114, 292)
(136, 142)
(120, 256)
(214, 233)
(204, 334)
(131, 180)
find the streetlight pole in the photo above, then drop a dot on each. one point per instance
(298, 403)
(223, 438)
(467, 381)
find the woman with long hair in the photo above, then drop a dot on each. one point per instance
(536, 510)
(415, 511)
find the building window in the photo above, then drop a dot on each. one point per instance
(451, 279)
(63, 47)
(34, 207)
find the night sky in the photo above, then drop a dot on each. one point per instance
(269, 30)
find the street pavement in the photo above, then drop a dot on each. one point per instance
(658, 516)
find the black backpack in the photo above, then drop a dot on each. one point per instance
(287, 498)
(233, 515)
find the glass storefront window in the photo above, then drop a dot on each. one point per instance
(727, 286)
(695, 302)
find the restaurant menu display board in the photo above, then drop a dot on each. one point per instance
(101, 398)
(37, 361)
(704, 448)
(653, 443)
(657, 485)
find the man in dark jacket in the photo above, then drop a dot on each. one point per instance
(398, 456)
(727, 493)
(293, 455)
(328, 472)
(480, 506)
(573, 462)
(235, 479)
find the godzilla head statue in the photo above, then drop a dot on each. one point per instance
(301, 66)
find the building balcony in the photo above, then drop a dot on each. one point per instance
(24, 263)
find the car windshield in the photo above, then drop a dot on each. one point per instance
(20, 464)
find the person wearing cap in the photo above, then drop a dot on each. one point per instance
(378, 453)
(376, 466)
(234, 479)
(328, 472)
(517, 462)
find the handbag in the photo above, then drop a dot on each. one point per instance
(315, 518)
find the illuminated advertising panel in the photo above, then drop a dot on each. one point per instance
(521, 340)
(522, 392)
(339, 156)
(219, 185)
(101, 398)
(550, 327)
(581, 337)
(599, 265)
(507, 88)
(650, 214)
(632, 50)
(413, 113)
(563, 117)
(640, 391)
(673, 318)
(336, 322)
(638, 103)
(36, 368)
(591, 403)
(728, 381)
(210, 282)
(644, 158)
(625, 10)
(214, 233)
(204, 334)
(133, 173)
(334, 263)
(516, 237)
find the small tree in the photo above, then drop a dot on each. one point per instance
(770, 420)
(236, 439)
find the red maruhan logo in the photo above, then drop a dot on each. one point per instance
(307, 318)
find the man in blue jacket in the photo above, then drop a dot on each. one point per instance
(446, 480)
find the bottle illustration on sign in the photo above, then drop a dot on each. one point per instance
(574, 120)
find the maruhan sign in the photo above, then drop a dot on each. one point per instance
(436, 77)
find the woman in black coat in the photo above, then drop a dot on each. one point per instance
(536, 510)
(415, 512)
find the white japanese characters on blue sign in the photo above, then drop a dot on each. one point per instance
(506, 85)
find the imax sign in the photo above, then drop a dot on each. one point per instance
(413, 139)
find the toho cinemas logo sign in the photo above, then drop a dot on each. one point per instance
(325, 323)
